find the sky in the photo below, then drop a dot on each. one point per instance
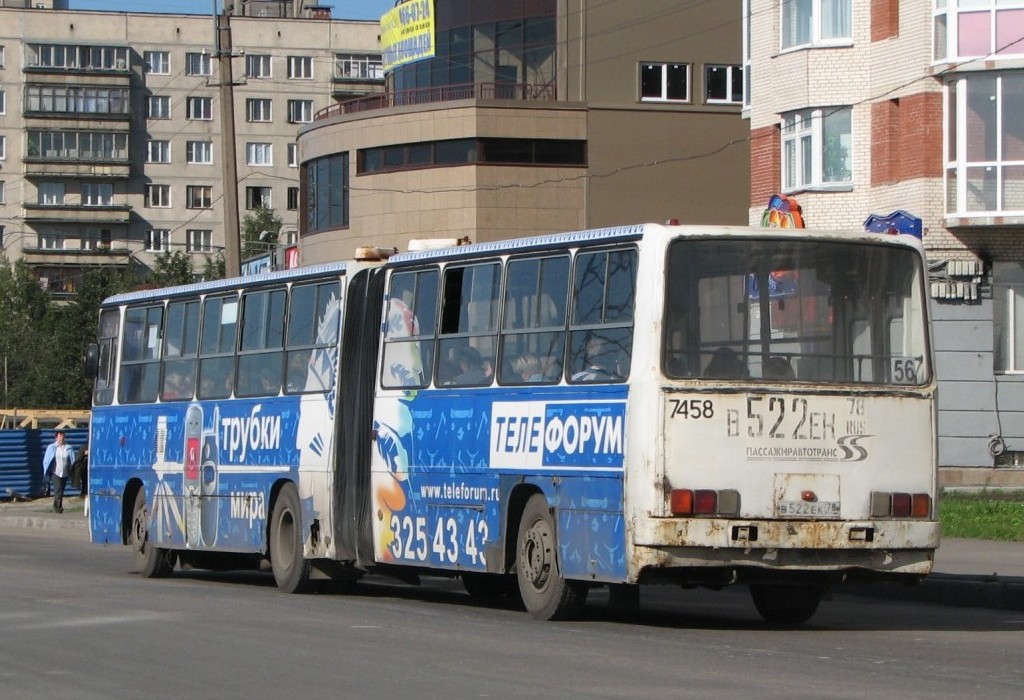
(342, 9)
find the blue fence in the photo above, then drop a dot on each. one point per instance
(21, 460)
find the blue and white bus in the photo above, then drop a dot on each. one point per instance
(640, 404)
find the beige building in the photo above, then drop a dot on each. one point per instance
(534, 117)
(111, 147)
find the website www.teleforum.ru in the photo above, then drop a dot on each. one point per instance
(459, 492)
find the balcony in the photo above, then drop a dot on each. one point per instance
(76, 214)
(446, 93)
(55, 167)
(115, 253)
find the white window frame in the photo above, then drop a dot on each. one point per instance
(162, 65)
(300, 111)
(97, 194)
(2, 56)
(158, 107)
(258, 66)
(300, 67)
(158, 151)
(3, 100)
(259, 109)
(259, 153)
(3, 196)
(158, 196)
(946, 29)
(52, 194)
(816, 12)
(198, 64)
(803, 150)
(293, 155)
(47, 240)
(733, 79)
(358, 66)
(3, 147)
(199, 152)
(265, 202)
(665, 68)
(199, 240)
(158, 240)
(194, 198)
(199, 108)
(747, 52)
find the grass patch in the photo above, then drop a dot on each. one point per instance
(986, 515)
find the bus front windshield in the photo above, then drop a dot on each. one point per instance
(780, 310)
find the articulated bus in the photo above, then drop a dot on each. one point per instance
(699, 406)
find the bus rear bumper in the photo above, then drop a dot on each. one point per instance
(881, 546)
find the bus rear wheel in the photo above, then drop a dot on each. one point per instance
(786, 605)
(291, 568)
(546, 595)
(153, 562)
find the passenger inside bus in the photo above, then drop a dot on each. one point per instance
(726, 364)
(527, 367)
(778, 368)
(471, 368)
(600, 362)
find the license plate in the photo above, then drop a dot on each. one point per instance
(814, 509)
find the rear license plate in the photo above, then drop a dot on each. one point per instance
(813, 509)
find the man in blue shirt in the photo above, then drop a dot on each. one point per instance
(60, 456)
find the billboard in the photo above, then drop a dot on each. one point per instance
(407, 33)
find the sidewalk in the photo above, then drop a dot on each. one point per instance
(968, 573)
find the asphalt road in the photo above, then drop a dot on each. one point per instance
(76, 622)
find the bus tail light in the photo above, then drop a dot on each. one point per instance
(704, 502)
(900, 505)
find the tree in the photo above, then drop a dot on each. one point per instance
(24, 306)
(171, 269)
(261, 229)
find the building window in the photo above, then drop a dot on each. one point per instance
(199, 108)
(158, 151)
(64, 99)
(2, 56)
(257, 66)
(49, 241)
(326, 183)
(352, 66)
(293, 198)
(300, 67)
(199, 240)
(157, 62)
(199, 196)
(61, 146)
(259, 154)
(3, 101)
(197, 63)
(3, 196)
(723, 84)
(158, 196)
(97, 194)
(257, 109)
(158, 240)
(300, 111)
(257, 198)
(664, 82)
(747, 51)
(51, 194)
(817, 147)
(429, 154)
(816, 22)
(985, 144)
(158, 107)
(3, 147)
(199, 152)
(978, 28)
(293, 155)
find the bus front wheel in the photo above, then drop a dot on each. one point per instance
(291, 568)
(153, 562)
(786, 605)
(546, 595)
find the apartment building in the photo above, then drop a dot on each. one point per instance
(111, 143)
(861, 108)
(504, 119)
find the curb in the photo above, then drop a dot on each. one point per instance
(954, 590)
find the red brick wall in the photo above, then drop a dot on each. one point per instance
(765, 165)
(885, 19)
(906, 138)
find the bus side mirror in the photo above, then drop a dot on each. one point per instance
(92, 360)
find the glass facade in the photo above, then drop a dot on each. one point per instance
(502, 42)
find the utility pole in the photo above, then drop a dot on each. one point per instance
(232, 228)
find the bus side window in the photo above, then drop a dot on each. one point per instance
(217, 347)
(469, 324)
(409, 322)
(601, 338)
(140, 355)
(262, 348)
(181, 348)
(533, 325)
(103, 392)
(314, 318)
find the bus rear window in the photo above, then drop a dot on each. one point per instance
(786, 310)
